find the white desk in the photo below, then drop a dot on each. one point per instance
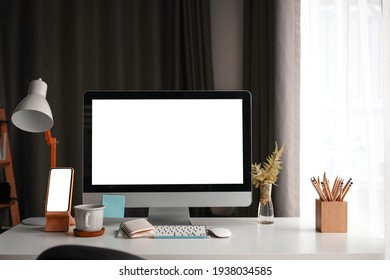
(288, 238)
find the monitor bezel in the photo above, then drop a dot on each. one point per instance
(88, 187)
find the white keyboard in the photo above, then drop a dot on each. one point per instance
(185, 232)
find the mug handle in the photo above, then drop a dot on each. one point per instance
(86, 219)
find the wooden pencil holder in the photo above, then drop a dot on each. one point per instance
(331, 216)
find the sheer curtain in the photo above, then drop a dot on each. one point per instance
(386, 88)
(342, 130)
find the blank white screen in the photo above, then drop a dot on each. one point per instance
(188, 141)
(59, 190)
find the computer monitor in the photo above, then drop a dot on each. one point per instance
(168, 150)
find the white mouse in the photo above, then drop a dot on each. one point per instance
(220, 232)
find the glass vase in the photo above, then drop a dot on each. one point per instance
(266, 209)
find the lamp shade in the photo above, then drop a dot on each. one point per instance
(33, 114)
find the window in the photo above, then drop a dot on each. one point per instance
(342, 114)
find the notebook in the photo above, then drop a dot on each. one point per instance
(137, 228)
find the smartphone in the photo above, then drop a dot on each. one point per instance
(59, 189)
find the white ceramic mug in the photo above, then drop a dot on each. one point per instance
(89, 217)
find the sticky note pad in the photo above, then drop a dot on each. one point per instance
(114, 206)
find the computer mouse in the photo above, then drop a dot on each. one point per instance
(220, 232)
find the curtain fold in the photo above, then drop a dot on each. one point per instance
(271, 72)
(76, 46)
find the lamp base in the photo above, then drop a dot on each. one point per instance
(35, 221)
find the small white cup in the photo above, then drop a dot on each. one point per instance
(89, 217)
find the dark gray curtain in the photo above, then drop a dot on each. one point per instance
(271, 73)
(76, 46)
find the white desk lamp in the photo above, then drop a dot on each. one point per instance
(33, 114)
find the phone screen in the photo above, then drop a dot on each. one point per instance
(59, 189)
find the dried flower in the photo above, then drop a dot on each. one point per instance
(267, 173)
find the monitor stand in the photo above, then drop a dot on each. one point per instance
(169, 216)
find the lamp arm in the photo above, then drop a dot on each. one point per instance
(52, 142)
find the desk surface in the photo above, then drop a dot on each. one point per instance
(287, 238)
